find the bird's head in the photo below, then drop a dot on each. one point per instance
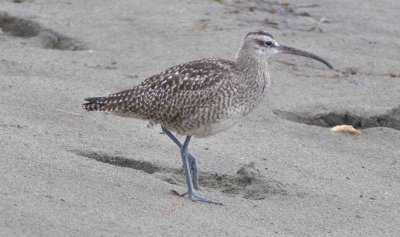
(261, 45)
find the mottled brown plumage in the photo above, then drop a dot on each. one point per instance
(185, 98)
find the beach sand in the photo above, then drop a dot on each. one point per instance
(280, 172)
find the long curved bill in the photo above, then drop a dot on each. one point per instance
(290, 50)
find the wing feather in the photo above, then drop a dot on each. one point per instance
(175, 92)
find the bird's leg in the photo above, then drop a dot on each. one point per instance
(191, 193)
(192, 160)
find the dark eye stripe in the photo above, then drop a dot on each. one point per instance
(260, 42)
(264, 43)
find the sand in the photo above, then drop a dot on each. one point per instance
(280, 172)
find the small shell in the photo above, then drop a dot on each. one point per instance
(345, 128)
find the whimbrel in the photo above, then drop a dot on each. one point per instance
(201, 98)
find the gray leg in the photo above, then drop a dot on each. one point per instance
(191, 193)
(192, 160)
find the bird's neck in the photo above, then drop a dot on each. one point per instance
(253, 69)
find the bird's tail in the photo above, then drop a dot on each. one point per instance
(94, 103)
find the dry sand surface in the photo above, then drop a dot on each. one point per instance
(280, 172)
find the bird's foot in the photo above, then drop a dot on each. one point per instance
(195, 197)
(198, 198)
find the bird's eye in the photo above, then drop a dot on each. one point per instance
(268, 43)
